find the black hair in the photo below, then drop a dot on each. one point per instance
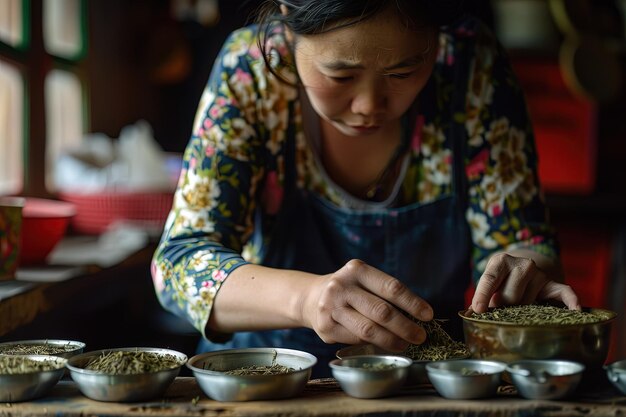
(310, 17)
(307, 17)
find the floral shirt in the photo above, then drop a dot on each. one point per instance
(234, 166)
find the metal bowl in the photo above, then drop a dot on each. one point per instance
(210, 371)
(31, 385)
(371, 376)
(545, 379)
(464, 379)
(66, 348)
(616, 372)
(507, 342)
(123, 387)
(417, 370)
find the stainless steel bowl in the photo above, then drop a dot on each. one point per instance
(616, 372)
(31, 385)
(465, 379)
(507, 342)
(123, 387)
(69, 347)
(417, 370)
(371, 376)
(210, 371)
(545, 379)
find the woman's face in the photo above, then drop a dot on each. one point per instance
(364, 77)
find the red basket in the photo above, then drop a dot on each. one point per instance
(96, 212)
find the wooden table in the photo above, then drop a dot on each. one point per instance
(320, 398)
(22, 309)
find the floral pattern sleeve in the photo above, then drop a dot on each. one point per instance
(211, 217)
(505, 210)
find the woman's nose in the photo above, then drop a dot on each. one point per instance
(369, 101)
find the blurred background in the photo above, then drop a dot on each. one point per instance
(79, 75)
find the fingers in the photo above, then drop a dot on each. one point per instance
(488, 285)
(362, 304)
(560, 292)
(367, 330)
(375, 312)
(389, 289)
(510, 280)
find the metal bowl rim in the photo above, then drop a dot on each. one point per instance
(616, 366)
(581, 366)
(73, 368)
(56, 342)
(433, 366)
(242, 351)
(612, 314)
(405, 362)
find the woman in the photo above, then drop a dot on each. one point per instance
(350, 163)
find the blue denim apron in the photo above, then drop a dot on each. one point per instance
(426, 246)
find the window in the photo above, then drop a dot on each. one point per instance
(42, 97)
(14, 16)
(63, 94)
(12, 117)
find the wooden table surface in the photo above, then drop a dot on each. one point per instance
(25, 307)
(320, 398)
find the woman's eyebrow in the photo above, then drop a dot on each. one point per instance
(341, 65)
(409, 62)
(346, 65)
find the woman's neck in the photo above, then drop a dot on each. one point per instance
(359, 163)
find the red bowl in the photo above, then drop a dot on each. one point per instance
(44, 223)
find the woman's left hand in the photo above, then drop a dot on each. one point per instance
(510, 280)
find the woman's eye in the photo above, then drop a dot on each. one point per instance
(400, 76)
(341, 79)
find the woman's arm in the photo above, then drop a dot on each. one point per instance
(212, 212)
(356, 304)
(515, 249)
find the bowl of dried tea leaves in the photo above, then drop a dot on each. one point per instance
(252, 373)
(55, 347)
(439, 345)
(371, 376)
(125, 374)
(27, 377)
(535, 331)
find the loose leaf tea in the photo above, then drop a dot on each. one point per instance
(260, 370)
(469, 372)
(125, 362)
(11, 365)
(438, 345)
(36, 349)
(534, 314)
(378, 366)
(272, 369)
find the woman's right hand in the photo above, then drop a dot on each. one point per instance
(361, 304)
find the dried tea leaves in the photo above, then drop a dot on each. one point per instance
(438, 345)
(36, 349)
(12, 365)
(260, 370)
(272, 369)
(132, 362)
(470, 372)
(378, 366)
(534, 314)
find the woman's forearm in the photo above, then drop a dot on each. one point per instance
(255, 297)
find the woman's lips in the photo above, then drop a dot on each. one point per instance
(365, 129)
